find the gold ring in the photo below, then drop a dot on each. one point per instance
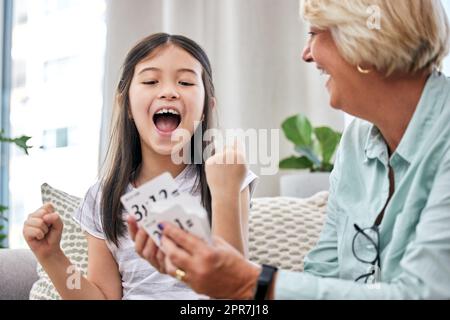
(180, 274)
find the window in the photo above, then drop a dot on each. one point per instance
(58, 49)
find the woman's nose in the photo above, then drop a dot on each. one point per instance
(307, 56)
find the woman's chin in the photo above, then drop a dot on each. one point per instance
(334, 103)
(333, 98)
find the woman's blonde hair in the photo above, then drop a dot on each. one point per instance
(411, 36)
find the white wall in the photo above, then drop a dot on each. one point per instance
(255, 48)
(126, 23)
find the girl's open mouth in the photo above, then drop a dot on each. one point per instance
(167, 120)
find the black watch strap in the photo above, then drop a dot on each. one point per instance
(264, 281)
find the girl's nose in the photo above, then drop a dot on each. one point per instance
(307, 56)
(169, 92)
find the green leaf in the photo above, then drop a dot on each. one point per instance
(298, 130)
(2, 227)
(290, 130)
(328, 140)
(2, 237)
(21, 142)
(305, 128)
(3, 209)
(296, 163)
(309, 153)
(326, 167)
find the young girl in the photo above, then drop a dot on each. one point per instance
(166, 85)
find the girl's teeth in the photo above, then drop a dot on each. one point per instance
(171, 111)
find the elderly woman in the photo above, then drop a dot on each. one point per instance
(387, 233)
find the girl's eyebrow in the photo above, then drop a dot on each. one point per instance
(159, 70)
(187, 70)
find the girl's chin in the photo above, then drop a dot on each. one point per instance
(160, 146)
(167, 148)
(163, 150)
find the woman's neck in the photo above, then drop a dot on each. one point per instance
(396, 106)
(153, 165)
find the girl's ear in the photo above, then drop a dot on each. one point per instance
(130, 115)
(212, 103)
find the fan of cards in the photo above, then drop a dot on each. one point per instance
(160, 200)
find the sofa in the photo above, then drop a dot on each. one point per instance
(281, 231)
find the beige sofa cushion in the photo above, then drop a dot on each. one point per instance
(73, 241)
(284, 230)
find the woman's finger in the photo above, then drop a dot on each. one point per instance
(160, 257)
(132, 226)
(177, 255)
(188, 242)
(149, 252)
(140, 240)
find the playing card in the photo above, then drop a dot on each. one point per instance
(159, 200)
(195, 222)
(139, 201)
(185, 200)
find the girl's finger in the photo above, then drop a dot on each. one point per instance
(37, 223)
(32, 233)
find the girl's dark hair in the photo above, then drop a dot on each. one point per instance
(124, 151)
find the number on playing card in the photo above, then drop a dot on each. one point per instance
(188, 223)
(138, 214)
(140, 211)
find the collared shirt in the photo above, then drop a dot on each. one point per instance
(415, 230)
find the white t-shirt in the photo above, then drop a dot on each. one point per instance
(139, 279)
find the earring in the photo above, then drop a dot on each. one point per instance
(363, 71)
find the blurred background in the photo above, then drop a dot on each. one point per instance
(61, 61)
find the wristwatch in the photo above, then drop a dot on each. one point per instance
(264, 281)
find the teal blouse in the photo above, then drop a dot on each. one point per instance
(415, 231)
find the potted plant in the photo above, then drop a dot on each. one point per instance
(315, 147)
(21, 142)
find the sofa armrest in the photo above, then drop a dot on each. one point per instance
(17, 273)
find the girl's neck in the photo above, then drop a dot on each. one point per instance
(153, 165)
